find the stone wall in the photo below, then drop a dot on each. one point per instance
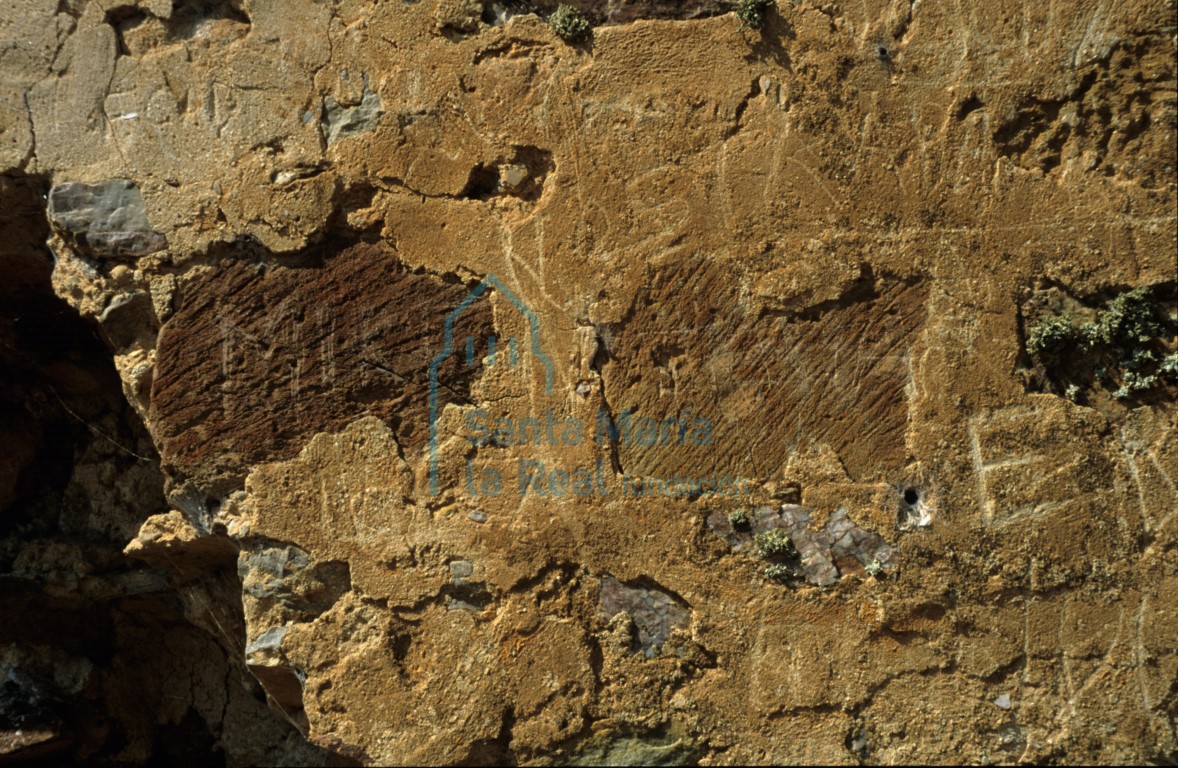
(398, 382)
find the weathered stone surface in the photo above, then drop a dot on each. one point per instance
(103, 658)
(654, 612)
(835, 374)
(821, 554)
(341, 121)
(107, 219)
(791, 273)
(258, 357)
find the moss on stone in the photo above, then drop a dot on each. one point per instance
(774, 542)
(1120, 347)
(778, 572)
(752, 12)
(1051, 336)
(569, 23)
(1169, 367)
(1131, 318)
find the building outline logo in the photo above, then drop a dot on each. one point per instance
(487, 283)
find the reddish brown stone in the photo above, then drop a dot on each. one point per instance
(260, 357)
(767, 382)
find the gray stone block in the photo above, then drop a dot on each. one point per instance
(105, 220)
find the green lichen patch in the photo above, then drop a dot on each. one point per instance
(774, 542)
(1131, 318)
(739, 520)
(779, 572)
(776, 548)
(1169, 367)
(1051, 337)
(1120, 352)
(752, 13)
(569, 23)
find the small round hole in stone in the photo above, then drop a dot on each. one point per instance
(911, 496)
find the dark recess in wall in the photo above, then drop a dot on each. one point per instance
(87, 635)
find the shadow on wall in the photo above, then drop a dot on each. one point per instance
(101, 657)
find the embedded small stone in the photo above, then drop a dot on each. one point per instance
(341, 122)
(655, 612)
(784, 532)
(461, 569)
(107, 219)
(512, 177)
(268, 641)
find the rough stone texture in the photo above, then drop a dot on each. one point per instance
(789, 271)
(654, 612)
(275, 354)
(822, 553)
(766, 361)
(340, 122)
(104, 658)
(107, 219)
